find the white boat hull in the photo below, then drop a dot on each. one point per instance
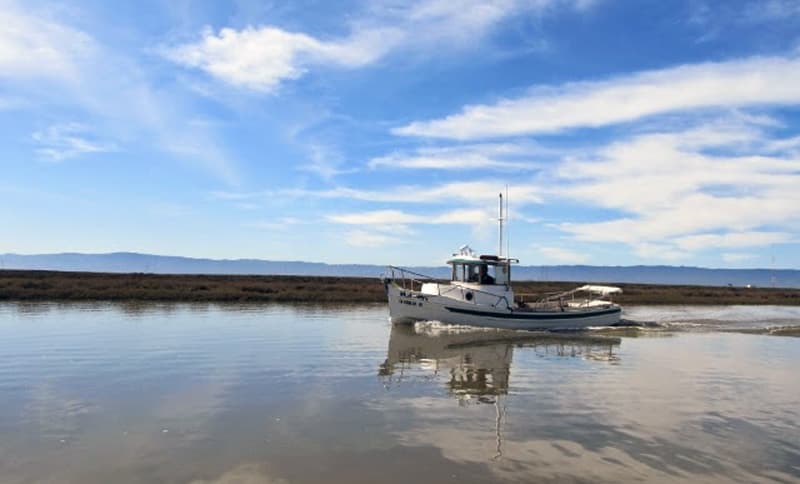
(407, 306)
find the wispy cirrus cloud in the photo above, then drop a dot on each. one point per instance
(733, 257)
(562, 255)
(717, 20)
(765, 10)
(732, 240)
(394, 217)
(55, 67)
(666, 192)
(755, 81)
(325, 162)
(279, 224)
(384, 227)
(70, 140)
(473, 192)
(365, 238)
(262, 58)
(480, 156)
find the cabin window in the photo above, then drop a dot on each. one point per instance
(478, 273)
(459, 272)
(474, 273)
(486, 274)
(502, 274)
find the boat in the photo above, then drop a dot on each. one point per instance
(479, 293)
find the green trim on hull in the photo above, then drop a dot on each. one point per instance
(534, 317)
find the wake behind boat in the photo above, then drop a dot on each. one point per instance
(479, 293)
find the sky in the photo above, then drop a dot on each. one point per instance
(627, 132)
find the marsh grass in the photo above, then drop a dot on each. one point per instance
(88, 286)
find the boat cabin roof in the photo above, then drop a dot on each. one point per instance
(491, 260)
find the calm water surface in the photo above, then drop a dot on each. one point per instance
(281, 394)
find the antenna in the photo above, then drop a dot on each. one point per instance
(508, 229)
(500, 219)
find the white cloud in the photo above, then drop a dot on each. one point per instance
(659, 252)
(63, 141)
(483, 156)
(394, 217)
(754, 81)
(783, 145)
(261, 58)
(35, 47)
(562, 255)
(681, 192)
(363, 238)
(325, 162)
(512, 216)
(737, 256)
(481, 193)
(281, 224)
(466, 21)
(709, 184)
(731, 240)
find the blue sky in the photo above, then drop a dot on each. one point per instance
(628, 132)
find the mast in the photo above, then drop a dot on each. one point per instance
(508, 231)
(500, 219)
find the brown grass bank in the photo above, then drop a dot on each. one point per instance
(87, 286)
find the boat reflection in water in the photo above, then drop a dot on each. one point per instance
(477, 363)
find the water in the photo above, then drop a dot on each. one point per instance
(101, 393)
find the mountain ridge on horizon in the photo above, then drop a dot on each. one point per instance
(135, 262)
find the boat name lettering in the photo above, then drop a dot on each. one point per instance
(410, 302)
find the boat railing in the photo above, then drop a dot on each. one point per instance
(533, 299)
(556, 300)
(405, 278)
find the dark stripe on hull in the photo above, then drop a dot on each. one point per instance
(537, 316)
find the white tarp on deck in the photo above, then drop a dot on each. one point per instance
(604, 290)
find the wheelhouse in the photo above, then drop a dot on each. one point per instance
(488, 270)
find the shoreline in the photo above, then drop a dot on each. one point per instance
(29, 285)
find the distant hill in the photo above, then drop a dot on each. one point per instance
(158, 264)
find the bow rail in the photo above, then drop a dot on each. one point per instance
(405, 278)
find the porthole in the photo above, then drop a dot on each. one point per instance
(468, 296)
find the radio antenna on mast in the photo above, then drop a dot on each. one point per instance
(500, 219)
(508, 231)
